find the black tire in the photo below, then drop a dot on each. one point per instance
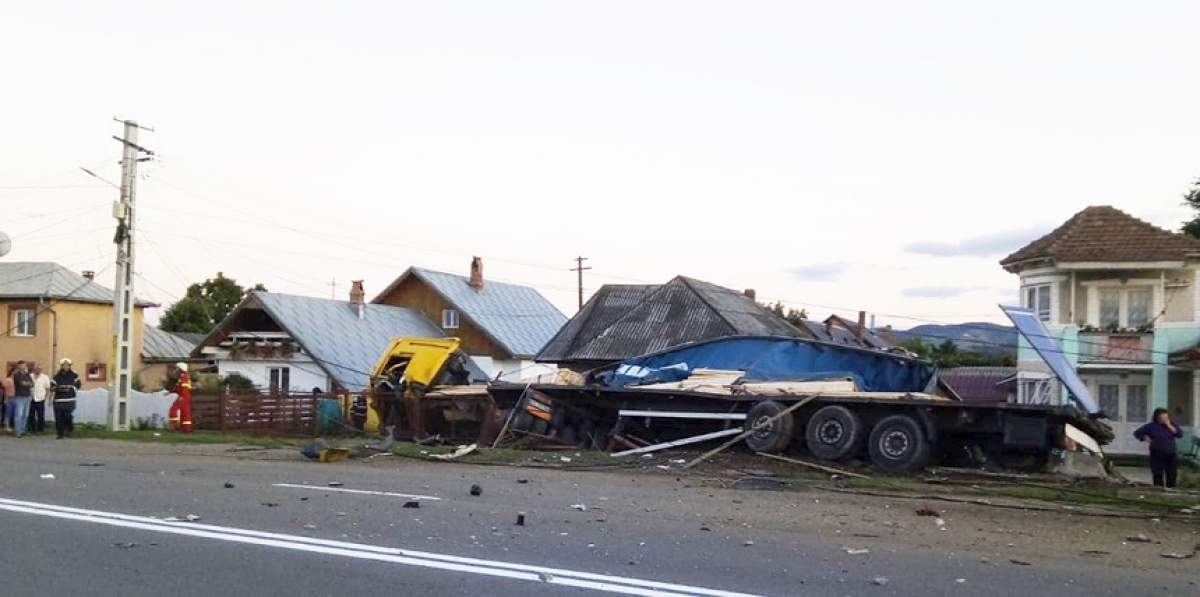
(898, 445)
(539, 427)
(521, 421)
(834, 433)
(776, 436)
(558, 417)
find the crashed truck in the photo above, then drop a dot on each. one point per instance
(837, 401)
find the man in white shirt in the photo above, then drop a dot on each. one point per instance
(37, 408)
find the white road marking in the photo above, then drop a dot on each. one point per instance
(410, 496)
(558, 576)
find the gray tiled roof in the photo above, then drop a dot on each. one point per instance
(43, 279)
(162, 345)
(330, 331)
(518, 318)
(680, 311)
(603, 309)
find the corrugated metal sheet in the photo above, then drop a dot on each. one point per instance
(605, 307)
(517, 317)
(345, 346)
(681, 311)
(981, 384)
(51, 281)
(159, 345)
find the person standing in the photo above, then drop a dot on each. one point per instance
(22, 397)
(9, 391)
(180, 413)
(65, 385)
(37, 409)
(1161, 434)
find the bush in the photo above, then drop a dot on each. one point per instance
(237, 383)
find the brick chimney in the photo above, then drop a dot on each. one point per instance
(862, 325)
(89, 274)
(358, 297)
(476, 273)
(750, 294)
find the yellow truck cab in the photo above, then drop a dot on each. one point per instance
(421, 362)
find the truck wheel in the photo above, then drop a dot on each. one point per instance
(897, 444)
(521, 421)
(834, 433)
(539, 427)
(774, 437)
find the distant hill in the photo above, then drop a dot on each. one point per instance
(987, 338)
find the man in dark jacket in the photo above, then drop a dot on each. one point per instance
(1161, 434)
(64, 385)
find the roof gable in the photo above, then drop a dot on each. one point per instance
(330, 331)
(517, 318)
(680, 311)
(46, 279)
(605, 307)
(1106, 234)
(161, 345)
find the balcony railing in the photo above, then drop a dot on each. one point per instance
(1115, 347)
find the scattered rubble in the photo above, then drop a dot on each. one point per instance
(476, 490)
(412, 504)
(520, 519)
(1139, 538)
(879, 581)
(228, 485)
(854, 551)
(48, 476)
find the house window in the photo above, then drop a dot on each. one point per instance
(95, 372)
(24, 322)
(1126, 307)
(449, 319)
(1137, 404)
(1110, 401)
(1038, 298)
(280, 379)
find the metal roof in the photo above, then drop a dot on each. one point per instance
(161, 345)
(330, 331)
(680, 311)
(842, 331)
(604, 308)
(44, 279)
(981, 384)
(516, 317)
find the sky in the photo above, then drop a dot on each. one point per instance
(835, 156)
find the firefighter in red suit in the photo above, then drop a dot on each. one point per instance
(181, 410)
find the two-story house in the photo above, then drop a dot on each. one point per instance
(52, 312)
(501, 325)
(1123, 298)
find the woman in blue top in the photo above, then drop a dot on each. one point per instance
(1161, 434)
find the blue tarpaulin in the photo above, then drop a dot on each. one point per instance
(767, 358)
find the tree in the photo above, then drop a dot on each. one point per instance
(1192, 200)
(792, 316)
(205, 305)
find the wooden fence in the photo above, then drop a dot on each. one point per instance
(294, 414)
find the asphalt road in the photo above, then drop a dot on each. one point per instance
(103, 530)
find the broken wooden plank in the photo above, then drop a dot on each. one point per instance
(820, 467)
(679, 442)
(743, 435)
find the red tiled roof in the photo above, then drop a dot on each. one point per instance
(1105, 233)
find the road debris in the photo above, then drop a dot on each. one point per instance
(269, 504)
(412, 504)
(926, 511)
(1139, 538)
(879, 581)
(127, 544)
(48, 476)
(228, 485)
(334, 484)
(91, 464)
(1095, 552)
(520, 519)
(476, 490)
(458, 453)
(1171, 555)
(747, 543)
(522, 481)
(1020, 562)
(580, 507)
(857, 551)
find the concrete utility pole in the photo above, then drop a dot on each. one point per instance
(579, 268)
(121, 379)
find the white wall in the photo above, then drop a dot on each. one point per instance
(516, 370)
(91, 406)
(303, 377)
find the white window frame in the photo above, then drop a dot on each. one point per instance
(1123, 386)
(1123, 303)
(278, 386)
(1038, 290)
(24, 328)
(450, 319)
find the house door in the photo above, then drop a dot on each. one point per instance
(1127, 405)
